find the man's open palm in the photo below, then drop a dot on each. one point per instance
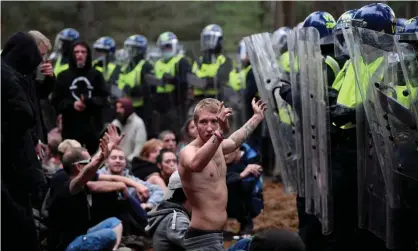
(112, 136)
(259, 107)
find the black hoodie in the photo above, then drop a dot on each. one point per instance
(84, 126)
(22, 54)
(20, 57)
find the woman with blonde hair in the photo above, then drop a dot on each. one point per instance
(144, 166)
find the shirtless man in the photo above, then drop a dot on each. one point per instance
(203, 171)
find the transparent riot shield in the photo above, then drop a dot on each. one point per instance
(266, 72)
(297, 119)
(375, 66)
(403, 112)
(315, 125)
(303, 157)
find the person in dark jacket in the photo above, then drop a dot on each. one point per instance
(22, 172)
(245, 186)
(80, 95)
(21, 52)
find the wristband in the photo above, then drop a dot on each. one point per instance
(219, 135)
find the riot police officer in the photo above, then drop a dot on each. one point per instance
(104, 52)
(136, 79)
(62, 48)
(213, 67)
(355, 140)
(172, 68)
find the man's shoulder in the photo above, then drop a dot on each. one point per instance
(189, 148)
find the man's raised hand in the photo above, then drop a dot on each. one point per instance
(222, 116)
(259, 107)
(104, 149)
(112, 137)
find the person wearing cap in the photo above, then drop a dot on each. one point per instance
(132, 126)
(168, 223)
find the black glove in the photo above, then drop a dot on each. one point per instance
(167, 78)
(332, 96)
(341, 115)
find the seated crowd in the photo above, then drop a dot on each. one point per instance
(130, 189)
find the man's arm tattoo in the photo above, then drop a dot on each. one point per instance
(242, 134)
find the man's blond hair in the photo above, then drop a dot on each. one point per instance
(208, 104)
(40, 39)
(68, 144)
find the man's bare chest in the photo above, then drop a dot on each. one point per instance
(218, 165)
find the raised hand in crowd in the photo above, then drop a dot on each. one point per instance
(112, 136)
(259, 107)
(222, 116)
(104, 151)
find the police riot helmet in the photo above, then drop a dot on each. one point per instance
(279, 39)
(106, 44)
(344, 20)
(322, 21)
(168, 44)
(135, 45)
(211, 38)
(377, 17)
(64, 39)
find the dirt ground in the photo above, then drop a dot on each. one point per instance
(279, 211)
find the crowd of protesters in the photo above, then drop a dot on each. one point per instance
(83, 184)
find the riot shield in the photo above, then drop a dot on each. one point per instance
(266, 72)
(297, 97)
(297, 119)
(376, 66)
(315, 125)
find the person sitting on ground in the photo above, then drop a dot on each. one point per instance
(245, 187)
(169, 140)
(144, 166)
(167, 162)
(71, 216)
(60, 176)
(67, 144)
(168, 223)
(188, 134)
(271, 240)
(132, 126)
(116, 166)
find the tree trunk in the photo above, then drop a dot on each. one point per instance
(278, 15)
(289, 17)
(86, 9)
